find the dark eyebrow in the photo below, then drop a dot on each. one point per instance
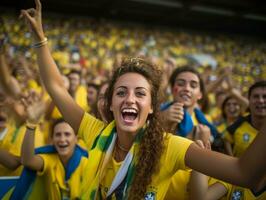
(180, 79)
(141, 88)
(121, 87)
(124, 87)
(192, 81)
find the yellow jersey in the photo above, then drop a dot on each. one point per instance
(239, 193)
(12, 142)
(54, 177)
(240, 134)
(173, 159)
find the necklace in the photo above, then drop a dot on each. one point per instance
(121, 147)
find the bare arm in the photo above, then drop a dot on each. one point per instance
(236, 93)
(215, 84)
(49, 72)
(228, 148)
(200, 190)
(216, 191)
(9, 160)
(199, 184)
(242, 100)
(10, 83)
(35, 110)
(245, 171)
(28, 157)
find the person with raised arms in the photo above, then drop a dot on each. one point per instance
(133, 158)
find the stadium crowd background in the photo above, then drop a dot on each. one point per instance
(96, 47)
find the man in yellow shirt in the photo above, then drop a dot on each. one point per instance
(240, 134)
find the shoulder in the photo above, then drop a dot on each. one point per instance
(231, 129)
(175, 151)
(49, 158)
(173, 141)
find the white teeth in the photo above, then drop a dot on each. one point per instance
(129, 110)
(185, 97)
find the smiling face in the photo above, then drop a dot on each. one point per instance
(91, 95)
(131, 102)
(64, 140)
(232, 108)
(257, 102)
(186, 89)
(74, 80)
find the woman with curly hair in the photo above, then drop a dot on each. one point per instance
(131, 157)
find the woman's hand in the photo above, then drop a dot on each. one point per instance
(34, 106)
(33, 18)
(203, 133)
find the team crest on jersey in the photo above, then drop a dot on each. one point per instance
(237, 195)
(150, 196)
(246, 137)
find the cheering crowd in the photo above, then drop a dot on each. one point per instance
(111, 112)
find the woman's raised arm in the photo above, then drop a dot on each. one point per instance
(49, 71)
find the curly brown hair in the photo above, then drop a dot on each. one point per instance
(151, 144)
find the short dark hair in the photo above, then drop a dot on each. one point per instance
(95, 86)
(186, 68)
(256, 85)
(73, 71)
(57, 121)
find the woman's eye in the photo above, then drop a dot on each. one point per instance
(194, 85)
(121, 93)
(67, 133)
(140, 94)
(180, 83)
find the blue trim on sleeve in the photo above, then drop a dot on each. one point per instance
(28, 176)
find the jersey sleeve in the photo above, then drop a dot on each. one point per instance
(176, 151)
(89, 129)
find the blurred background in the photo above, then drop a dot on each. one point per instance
(96, 34)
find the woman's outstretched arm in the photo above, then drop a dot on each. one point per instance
(245, 171)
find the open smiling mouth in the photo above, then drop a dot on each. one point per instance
(129, 114)
(2, 119)
(185, 97)
(261, 107)
(63, 146)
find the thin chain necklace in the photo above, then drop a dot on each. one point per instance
(121, 147)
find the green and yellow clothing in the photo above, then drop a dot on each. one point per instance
(178, 189)
(12, 142)
(173, 159)
(239, 193)
(54, 177)
(240, 134)
(80, 99)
